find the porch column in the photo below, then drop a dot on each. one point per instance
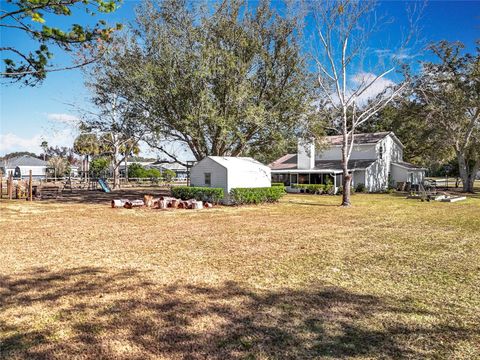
(334, 181)
(309, 178)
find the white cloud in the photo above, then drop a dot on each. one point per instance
(358, 81)
(12, 142)
(402, 54)
(63, 118)
(361, 79)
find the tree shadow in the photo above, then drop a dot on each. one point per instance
(99, 197)
(95, 313)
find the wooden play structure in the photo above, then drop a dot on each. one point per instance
(25, 189)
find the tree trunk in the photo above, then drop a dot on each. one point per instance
(467, 173)
(462, 168)
(116, 177)
(471, 177)
(346, 176)
(116, 169)
(126, 168)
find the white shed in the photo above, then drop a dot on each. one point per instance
(230, 172)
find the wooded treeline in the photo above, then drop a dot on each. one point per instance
(236, 78)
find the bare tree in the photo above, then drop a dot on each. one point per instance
(342, 34)
(118, 131)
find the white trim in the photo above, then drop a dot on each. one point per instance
(296, 171)
(408, 168)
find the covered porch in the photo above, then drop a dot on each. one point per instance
(293, 177)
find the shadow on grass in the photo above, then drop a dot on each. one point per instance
(93, 313)
(100, 197)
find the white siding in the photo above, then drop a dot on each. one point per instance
(401, 174)
(358, 177)
(359, 152)
(217, 171)
(305, 155)
(228, 173)
(376, 177)
(24, 171)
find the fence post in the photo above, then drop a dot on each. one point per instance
(1, 185)
(10, 186)
(30, 191)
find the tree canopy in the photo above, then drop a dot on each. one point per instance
(449, 89)
(224, 81)
(31, 18)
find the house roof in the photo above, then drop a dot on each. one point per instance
(366, 138)
(408, 166)
(289, 162)
(236, 162)
(337, 164)
(24, 160)
(174, 166)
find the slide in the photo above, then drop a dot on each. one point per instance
(103, 185)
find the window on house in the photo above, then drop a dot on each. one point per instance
(293, 179)
(380, 152)
(208, 179)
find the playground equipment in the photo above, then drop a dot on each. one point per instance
(104, 186)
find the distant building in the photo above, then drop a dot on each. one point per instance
(20, 166)
(179, 169)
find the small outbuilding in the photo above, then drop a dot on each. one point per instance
(228, 172)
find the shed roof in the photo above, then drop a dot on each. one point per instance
(236, 162)
(24, 160)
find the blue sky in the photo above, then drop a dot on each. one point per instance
(30, 115)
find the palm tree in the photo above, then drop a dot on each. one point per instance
(86, 145)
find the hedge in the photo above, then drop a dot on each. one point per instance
(241, 196)
(278, 184)
(315, 188)
(213, 195)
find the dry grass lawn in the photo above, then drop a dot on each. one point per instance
(387, 278)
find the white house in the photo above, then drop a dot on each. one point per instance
(376, 161)
(230, 172)
(20, 166)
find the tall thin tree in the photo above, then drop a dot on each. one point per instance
(342, 37)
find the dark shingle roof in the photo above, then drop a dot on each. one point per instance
(25, 160)
(369, 138)
(337, 164)
(288, 161)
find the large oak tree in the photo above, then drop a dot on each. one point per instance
(223, 80)
(449, 90)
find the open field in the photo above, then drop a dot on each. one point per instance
(387, 278)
